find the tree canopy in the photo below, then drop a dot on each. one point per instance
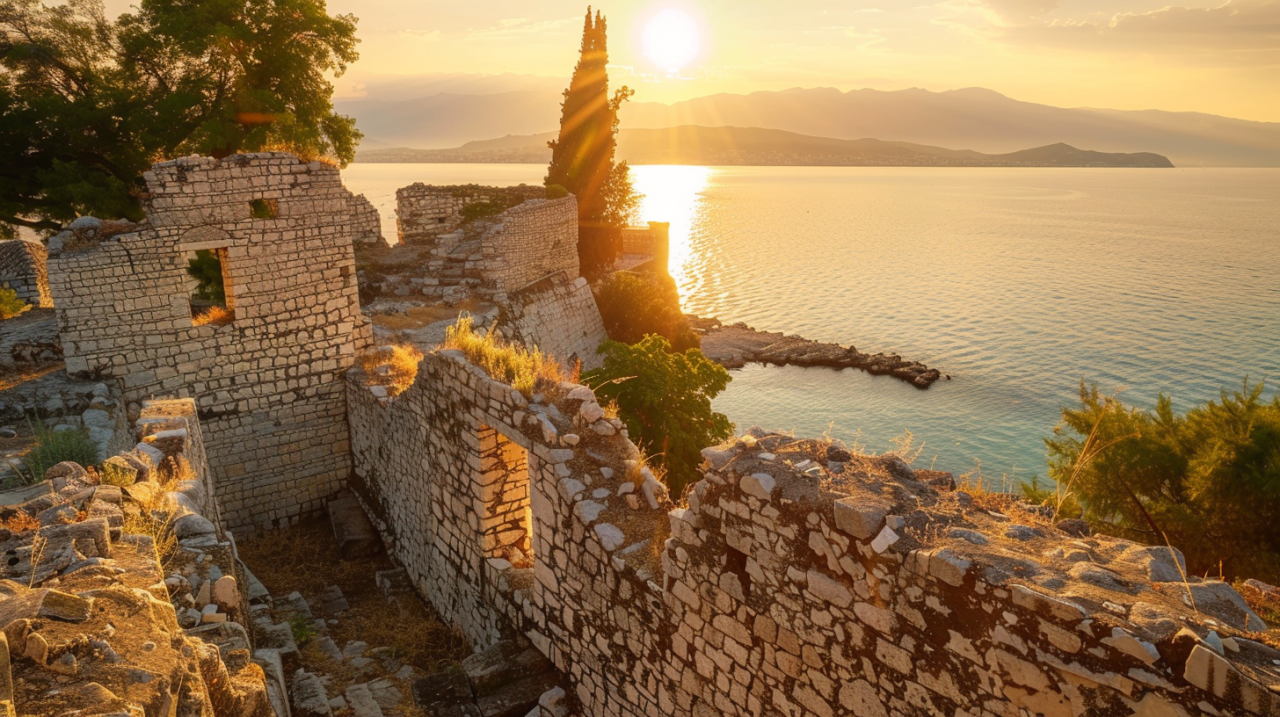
(582, 157)
(1206, 482)
(665, 400)
(88, 104)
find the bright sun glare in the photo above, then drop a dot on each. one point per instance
(671, 40)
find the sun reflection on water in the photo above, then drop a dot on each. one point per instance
(673, 194)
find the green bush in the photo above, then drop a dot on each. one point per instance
(206, 269)
(665, 400)
(556, 191)
(54, 447)
(635, 305)
(10, 304)
(1206, 482)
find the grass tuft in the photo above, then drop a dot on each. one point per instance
(54, 447)
(392, 366)
(213, 316)
(528, 370)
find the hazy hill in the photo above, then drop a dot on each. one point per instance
(754, 146)
(981, 119)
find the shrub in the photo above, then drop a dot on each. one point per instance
(1207, 482)
(54, 447)
(206, 269)
(392, 366)
(634, 305)
(556, 191)
(527, 370)
(10, 304)
(665, 400)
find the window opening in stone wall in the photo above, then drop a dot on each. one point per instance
(263, 208)
(735, 563)
(506, 521)
(209, 283)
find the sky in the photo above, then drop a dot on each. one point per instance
(1216, 56)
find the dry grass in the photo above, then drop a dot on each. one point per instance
(19, 523)
(1265, 603)
(419, 317)
(305, 558)
(394, 367)
(213, 316)
(528, 371)
(154, 518)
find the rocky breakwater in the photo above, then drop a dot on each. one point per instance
(735, 345)
(118, 592)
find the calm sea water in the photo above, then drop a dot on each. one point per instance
(1019, 283)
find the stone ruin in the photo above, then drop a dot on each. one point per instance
(521, 261)
(90, 623)
(268, 383)
(365, 221)
(23, 269)
(795, 579)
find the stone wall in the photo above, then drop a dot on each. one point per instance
(797, 580)
(23, 269)
(424, 212)
(91, 623)
(533, 240)
(365, 221)
(269, 384)
(558, 316)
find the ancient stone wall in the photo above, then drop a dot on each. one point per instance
(798, 580)
(531, 241)
(90, 623)
(424, 212)
(558, 316)
(23, 269)
(365, 221)
(268, 384)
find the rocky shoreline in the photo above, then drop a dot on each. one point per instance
(735, 345)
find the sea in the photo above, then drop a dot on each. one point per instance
(1019, 284)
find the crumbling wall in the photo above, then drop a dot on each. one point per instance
(532, 240)
(23, 269)
(268, 384)
(558, 316)
(424, 212)
(799, 580)
(582, 590)
(100, 612)
(366, 223)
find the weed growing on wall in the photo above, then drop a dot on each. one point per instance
(394, 367)
(528, 370)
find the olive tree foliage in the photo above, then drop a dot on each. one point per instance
(87, 104)
(665, 399)
(1206, 482)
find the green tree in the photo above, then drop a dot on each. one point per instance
(1207, 482)
(206, 269)
(87, 104)
(582, 158)
(665, 400)
(635, 305)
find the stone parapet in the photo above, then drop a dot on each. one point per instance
(23, 268)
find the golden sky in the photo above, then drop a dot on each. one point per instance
(1207, 55)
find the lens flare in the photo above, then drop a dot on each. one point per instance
(671, 40)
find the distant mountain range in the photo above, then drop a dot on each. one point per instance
(979, 119)
(726, 146)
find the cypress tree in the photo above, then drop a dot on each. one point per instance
(582, 158)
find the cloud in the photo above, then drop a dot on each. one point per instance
(1245, 32)
(517, 27)
(431, 35)
(1016, 11)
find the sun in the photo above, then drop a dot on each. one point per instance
(671, 40)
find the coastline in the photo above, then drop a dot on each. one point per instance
(735, 345)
